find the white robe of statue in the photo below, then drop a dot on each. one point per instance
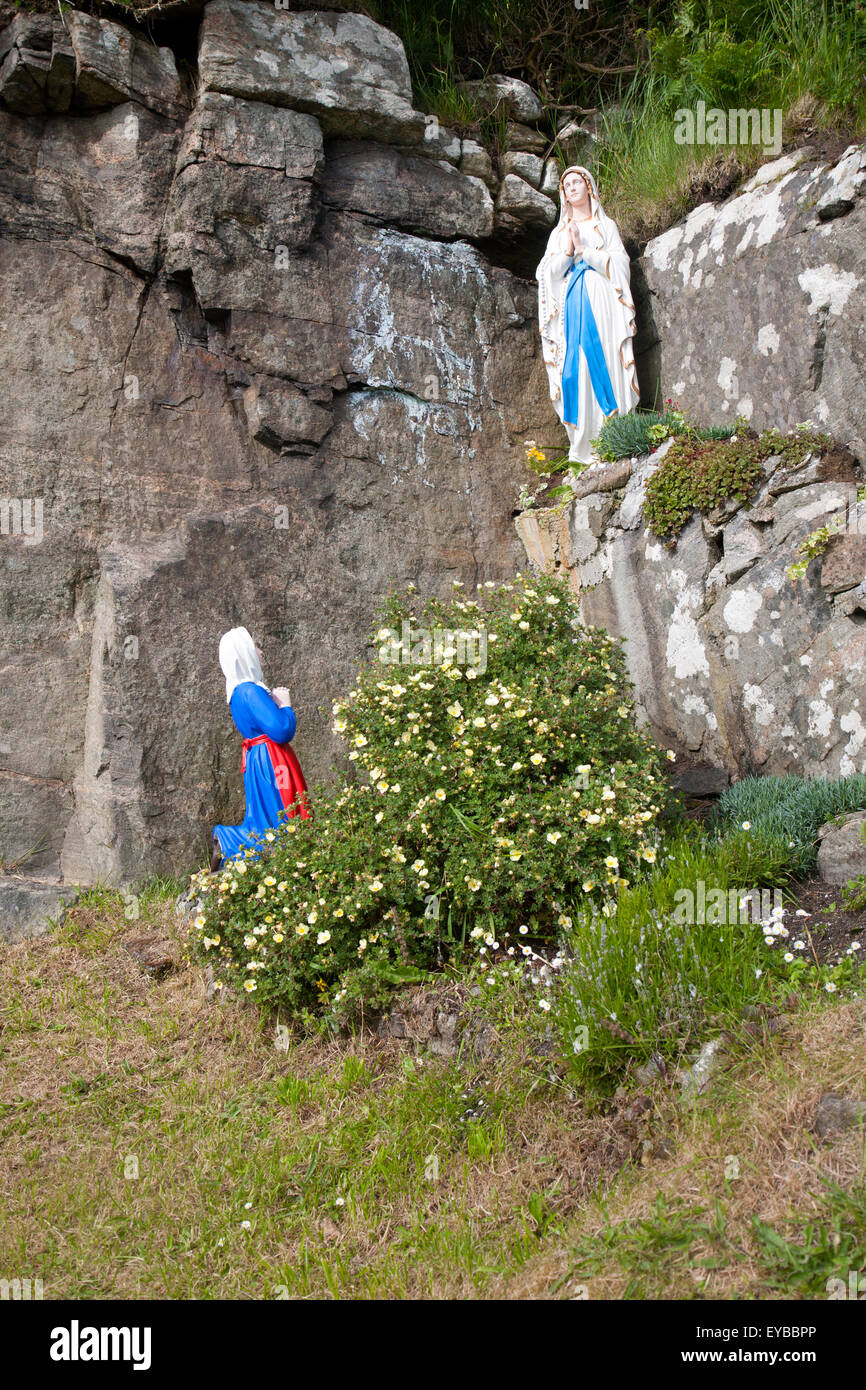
(612, 306)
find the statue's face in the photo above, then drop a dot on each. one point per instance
(577, 191)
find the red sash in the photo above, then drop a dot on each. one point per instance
(287, 774)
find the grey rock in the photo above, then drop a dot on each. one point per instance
(550, 179)
(279, 414)
(238, 401)
(439, 142)
(475, 161)
(343, 68)
(526, 166)
(522, 138)
(406, 191)
(843, 565)
(701, 780)
(743, 543)
(835, 1114)
(505, 93)
(842, 851)
(113, 66)
(791, 351)
(519, 200)
(848, 179)
(576, 140)
(29, 906)
(733, 662)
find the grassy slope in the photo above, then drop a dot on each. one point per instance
(100, 1063)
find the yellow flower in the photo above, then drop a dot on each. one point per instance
(536, 758)
(278, 936)
(302, 929)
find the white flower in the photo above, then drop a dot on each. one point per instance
(440, 793)
(323, 937)
(830, 987)
(544, 1004)
(747, 825)
(553, 836)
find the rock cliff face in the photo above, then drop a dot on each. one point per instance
(261, 359)
(758, 303)
(255, 369)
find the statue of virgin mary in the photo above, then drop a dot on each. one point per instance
(586, 315)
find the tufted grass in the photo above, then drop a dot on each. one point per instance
(791, 808)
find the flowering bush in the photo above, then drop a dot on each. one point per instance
(486, 794)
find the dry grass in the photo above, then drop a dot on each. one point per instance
(329, 1143)
(101, 1063)
(761, 1113)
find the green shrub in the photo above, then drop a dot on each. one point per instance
(642, 983)
(641, 431)
(490, 795)
(792, 808)
(702, 474)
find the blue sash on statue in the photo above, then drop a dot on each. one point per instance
(581, 331)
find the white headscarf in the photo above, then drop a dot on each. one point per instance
(239, 661)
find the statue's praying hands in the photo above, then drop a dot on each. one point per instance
(281, 696)
(572, 244)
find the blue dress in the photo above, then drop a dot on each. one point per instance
(581, 332)
(257, 714)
